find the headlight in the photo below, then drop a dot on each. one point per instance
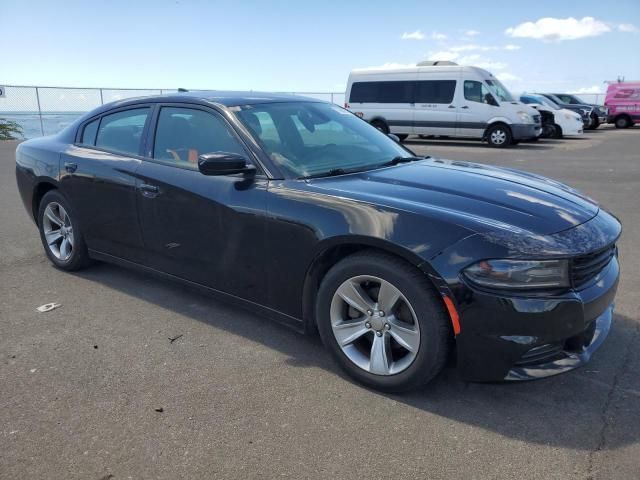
(519, 274)
(525, 117)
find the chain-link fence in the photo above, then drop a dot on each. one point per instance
(47, 110)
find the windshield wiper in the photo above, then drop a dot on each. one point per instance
(329, 173)
(399, 159)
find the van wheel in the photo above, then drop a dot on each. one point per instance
(623, 122)
(381, 125)
(383, 321)
(402, 136)
(499, 136)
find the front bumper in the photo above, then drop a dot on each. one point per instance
(525, 131)
(523, 338)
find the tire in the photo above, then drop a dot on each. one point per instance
(402, 136)
(622, 122)
(61, 233)
(381, 125)
(595, 122)
(499, 136)
(557, 131)
(417, 316)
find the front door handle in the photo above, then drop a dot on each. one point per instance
(465, 106)
(70, 166)
(453, 106)
(149, 190)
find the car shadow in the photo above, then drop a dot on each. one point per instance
(473, 144)
(566, 411)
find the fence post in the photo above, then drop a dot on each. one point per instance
(101, 98)
(332, 98)
(39, 111)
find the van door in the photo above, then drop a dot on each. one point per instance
(476, 106)
(435, 112)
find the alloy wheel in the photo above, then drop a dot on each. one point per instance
(58, 231)
(498, 137)
(375, 325)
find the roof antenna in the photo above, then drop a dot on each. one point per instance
(182, 90)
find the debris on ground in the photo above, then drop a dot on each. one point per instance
(47, 307)
(159, 409)
(173, 339)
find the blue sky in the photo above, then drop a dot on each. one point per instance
(312, 46)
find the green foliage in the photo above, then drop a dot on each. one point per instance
(10, 130)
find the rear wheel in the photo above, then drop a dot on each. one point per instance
(61, 233)
(383, 322)
(381, 125)
(499, 136)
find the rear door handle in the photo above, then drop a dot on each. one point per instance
(149, 190)
(70, 166)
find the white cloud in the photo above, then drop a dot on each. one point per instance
(549, 29)
(471, 33)
(476, 60)
(417, 35)
(388, 66)
(438, 36)
(592, 89)
(512, 47)
(443, 55)
(628, 27)
(472, 47)
(507, 77)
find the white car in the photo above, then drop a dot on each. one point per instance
(566, 123)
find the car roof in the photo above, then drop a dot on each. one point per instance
(226, 98)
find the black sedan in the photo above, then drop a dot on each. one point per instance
(303, 212)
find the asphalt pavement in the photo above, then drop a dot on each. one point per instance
(134, 377)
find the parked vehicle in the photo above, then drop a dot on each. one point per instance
(585, 111)
(559, 121)
(440, 98)
(623, 103)
(300, 210)
(598, 114)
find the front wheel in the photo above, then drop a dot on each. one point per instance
(60, 233)
(499, 136)
(383, 322)
(557, 131)
(623, 122)
(595, 121)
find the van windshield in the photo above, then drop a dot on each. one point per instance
(499, 90)
(309, 139)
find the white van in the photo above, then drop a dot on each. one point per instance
(440, 98)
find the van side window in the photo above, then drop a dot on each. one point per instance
(89, 133)
(476, 91)
(435, 91)
(122, 131)
(382, 92)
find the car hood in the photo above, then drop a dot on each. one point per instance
(478, 197)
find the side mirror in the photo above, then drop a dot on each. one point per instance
(393, 137)
(224, 163)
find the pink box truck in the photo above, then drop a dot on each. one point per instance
(623, 103)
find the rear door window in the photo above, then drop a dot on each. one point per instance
(382, 92)
(89, 133)
(122, 131)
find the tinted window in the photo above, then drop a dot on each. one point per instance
(89, 133)
(476, 91)
(122, 131)
(183, 134)
(435, 91)
(382, 92)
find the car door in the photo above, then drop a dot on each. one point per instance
(206, 229)
(435, 112)
(98, 177)
(476, 106)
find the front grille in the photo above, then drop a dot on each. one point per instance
(586, 267)
(536, 119)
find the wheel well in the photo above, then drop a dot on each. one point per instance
(380, 120)
(491, 125)
(319, 268)
(621, 115)
(39, 192)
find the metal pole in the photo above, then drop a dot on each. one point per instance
(101, 98)
(332, 98)
(39, 111)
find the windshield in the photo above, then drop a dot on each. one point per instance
(314, 139)
(545, 101)
(499, 90)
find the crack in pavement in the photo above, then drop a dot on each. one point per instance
(620, 371)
